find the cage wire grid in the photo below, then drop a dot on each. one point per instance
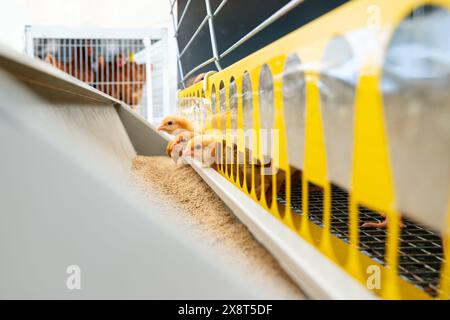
(421, 249)
(209, 19)
(130, 66)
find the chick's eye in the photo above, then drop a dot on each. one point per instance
(198, 147)
(170, 123)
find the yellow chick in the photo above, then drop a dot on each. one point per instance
(175, 147)
(203, 149)
(207, 150)
(176, 124)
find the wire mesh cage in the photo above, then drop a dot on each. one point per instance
(362, 110)
(213, 34)
(129, 65)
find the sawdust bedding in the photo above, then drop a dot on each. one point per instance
(201, 211)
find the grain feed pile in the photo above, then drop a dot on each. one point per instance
(198, 209)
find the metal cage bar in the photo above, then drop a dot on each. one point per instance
(183, 14)
(212, 34)
(209, 18)
(277, 15)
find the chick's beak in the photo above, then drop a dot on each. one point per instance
(161, 127)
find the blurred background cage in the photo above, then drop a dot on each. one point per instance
(129, 64)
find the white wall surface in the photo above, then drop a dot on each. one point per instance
(16, 14)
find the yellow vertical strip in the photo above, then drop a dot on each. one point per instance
(261, 140)
(391, 288)
(208, 97)
(315, 161)
(256, 152)
(226, 117)
(372, 183)
(219, 125)
(353, 264)
(325, 244)
(279, 150)
(240, 136)
(279, 67)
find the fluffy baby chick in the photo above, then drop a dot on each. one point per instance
(184, 131)
(175, 125)
(203, 149)
(207, 150)
(175, 147)
(261, 173)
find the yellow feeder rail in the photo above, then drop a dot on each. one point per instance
(254, 91)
